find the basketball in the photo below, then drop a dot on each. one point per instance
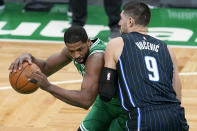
(19, 80)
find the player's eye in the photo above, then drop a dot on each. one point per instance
(80, 49)
(71, 51)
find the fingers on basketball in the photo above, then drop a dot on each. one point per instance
(19, 79)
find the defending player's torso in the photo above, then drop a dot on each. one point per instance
(97, 46)
(144, 77)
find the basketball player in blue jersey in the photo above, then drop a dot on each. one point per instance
(148, 82)
(84, 53)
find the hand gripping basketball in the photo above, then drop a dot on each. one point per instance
(19, 79)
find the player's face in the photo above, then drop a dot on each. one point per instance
(79, 51)
(123, 23)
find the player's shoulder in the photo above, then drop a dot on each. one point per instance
(115, 43)
(95, 58)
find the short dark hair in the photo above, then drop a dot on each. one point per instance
(139, 11)
(74, 34)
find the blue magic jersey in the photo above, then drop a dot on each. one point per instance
(145, 71)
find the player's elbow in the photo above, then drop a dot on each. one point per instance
(86, 105)
(87, 102)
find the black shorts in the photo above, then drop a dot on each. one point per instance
(158, 118)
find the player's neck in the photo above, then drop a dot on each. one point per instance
(139, 29)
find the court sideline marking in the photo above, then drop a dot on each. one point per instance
(55, 83)
(79, 81)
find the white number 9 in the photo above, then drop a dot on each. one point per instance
(151, 65)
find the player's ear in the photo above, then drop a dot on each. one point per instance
(131, 22)
(89, 42)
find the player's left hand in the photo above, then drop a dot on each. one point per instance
(40, 79)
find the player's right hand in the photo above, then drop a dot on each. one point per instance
(17, 64)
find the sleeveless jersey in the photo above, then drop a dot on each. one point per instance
(97, 46)
(145, 72)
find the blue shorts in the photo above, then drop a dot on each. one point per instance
(158, 118)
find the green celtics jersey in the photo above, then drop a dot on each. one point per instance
(97, 46)
(104, 116)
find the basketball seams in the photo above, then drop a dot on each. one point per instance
(23, 85)
(26, 92)
(19, 80)
(20, 75)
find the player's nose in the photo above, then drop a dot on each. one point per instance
(76, 55)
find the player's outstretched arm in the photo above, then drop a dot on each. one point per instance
(55, 62)
(48, 67)
(176, 80)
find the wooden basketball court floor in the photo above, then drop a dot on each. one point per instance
(41, 111)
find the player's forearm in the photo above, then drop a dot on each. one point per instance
(40, 63)
(75, 98)
(43, 65)
(69, 102)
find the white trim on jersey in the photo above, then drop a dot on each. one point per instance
(82, 127)
(95, 43)
(96, 51)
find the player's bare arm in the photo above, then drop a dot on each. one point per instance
(176, 80)
(113, 52)
(54, 63)
(83, 98)
(108, 87)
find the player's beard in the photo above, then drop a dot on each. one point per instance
(82, 60)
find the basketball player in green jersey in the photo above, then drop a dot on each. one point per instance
(88, 57)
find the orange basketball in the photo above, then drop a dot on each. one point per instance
(19, 80)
